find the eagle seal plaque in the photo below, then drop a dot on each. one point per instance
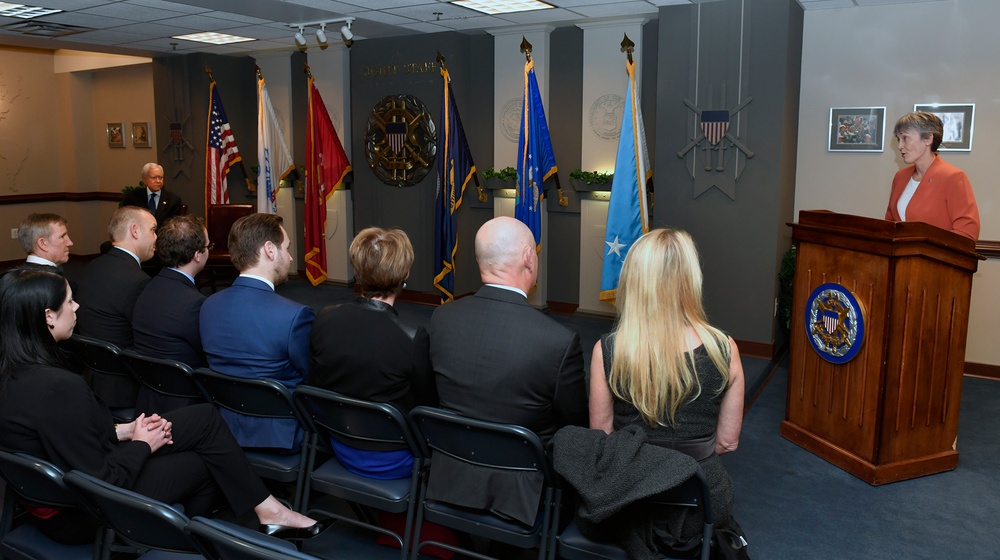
(400, 140)
(835, 323)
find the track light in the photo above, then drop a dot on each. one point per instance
(346, 33)
(300, 39)
(321, 37)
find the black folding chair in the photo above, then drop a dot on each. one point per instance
(504, 447)
(108, 375)
(165, 385)
(218, 540)
(693, 493)
(33, 482)
(262, 398)
(363, 425)
(137, 520)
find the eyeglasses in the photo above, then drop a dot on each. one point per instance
(210, 246)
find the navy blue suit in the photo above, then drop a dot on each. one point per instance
(165, 320)
(247, 330)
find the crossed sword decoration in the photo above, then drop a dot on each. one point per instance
(719, 147)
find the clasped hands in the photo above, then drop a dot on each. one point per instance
(155, 430)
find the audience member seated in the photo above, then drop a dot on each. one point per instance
(111, 283)
(190, 457)
(363, 349)
(165, 323)
(45, 239)
(496, 358)
(248, 330)
(162, 204)
(665, 370)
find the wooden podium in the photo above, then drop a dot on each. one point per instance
(891, 412)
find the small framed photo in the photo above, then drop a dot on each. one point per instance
(116, 134)
(957, 120)
(141, 135)
(857, 129)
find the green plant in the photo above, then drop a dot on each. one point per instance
(129, 188)
(505, 174)
(786, 278)
(592, 177)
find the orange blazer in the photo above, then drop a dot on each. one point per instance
(943, 199)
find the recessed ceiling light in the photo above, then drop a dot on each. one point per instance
(494, 7)
(24, 12)
(214, 38)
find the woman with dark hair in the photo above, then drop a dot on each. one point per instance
(665, 369)
(49, 412)
(930, 190)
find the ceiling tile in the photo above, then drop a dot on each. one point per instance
(620, 9)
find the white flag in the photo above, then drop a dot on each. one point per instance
(273, 157)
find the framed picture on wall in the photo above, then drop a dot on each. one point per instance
(116, 134)
(857, 129)
(141, 135)
(957, 120)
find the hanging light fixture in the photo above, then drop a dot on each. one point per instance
(300, 38)
(345, 32)
(321, 36)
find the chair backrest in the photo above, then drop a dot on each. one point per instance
(359, 423)
(220, 220)
(488, 444)
(36, 482)
(220, 541)
(261, 397)
(166, 377)
(100, 356)
(138, 520)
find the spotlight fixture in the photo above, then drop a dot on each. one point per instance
(321, 37)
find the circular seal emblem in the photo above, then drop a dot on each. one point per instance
(510, 119)
(606, 116)
(835, 323)
(400, 140)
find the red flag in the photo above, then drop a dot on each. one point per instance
(326, 166)
(222, 152)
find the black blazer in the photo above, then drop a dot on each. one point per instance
(108, 290)
(363, 350)
(168, 207)
(165, 319)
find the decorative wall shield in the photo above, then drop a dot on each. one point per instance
(400, 140)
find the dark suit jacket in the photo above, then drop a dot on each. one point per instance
(247, 330)
(169, 203)
(165, 323)
(108, 290)
(496, 358)
(363, 350)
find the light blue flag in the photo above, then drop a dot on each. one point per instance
(535, 160)
(628, 211)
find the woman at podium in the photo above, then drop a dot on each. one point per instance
(930, 190)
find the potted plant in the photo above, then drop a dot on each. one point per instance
(129, 188)
(591, 180)
(505, 178)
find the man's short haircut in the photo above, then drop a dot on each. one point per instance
(249, 234)
(36, 226)
(179, 239)
(381, 259)
(118, 226)
(147, 168)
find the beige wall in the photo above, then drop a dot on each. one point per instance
(53, 139)
(896, 56)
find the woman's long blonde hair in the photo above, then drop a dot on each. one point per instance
(659, 296)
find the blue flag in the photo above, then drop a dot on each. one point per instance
(455, 170)
(628, 211)
(535, 161)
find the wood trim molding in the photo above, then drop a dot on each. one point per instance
(982, 370)
(988, 249)
(35, 198)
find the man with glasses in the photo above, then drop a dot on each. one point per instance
(162, 204)
(165, 321)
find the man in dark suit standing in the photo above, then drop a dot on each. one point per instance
(109, 288)
(248, 330)
(496, 358)
(165, 323)
(162, 204)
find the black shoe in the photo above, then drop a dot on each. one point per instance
(292, 533)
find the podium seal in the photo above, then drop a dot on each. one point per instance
(835, 323)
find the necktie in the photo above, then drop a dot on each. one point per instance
(152, 203)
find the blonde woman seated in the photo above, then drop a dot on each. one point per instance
(664, 368)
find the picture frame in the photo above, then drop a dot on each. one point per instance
(116, 134)
(958, 120)
(857, 129)
(141, 135)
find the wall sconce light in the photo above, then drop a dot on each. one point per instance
(345, 32)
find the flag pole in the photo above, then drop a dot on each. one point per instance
(627, 47)
(526, 49)
(246, 176)
(475, 176)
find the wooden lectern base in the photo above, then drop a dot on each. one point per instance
(866, 471)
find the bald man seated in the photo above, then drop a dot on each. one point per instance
(496, 358)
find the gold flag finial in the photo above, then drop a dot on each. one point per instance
(259, 75)
(627, 47)
(208, 70)
(307, 70)
(440, 59)
(526, 48)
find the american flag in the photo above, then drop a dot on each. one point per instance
(222, 152)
